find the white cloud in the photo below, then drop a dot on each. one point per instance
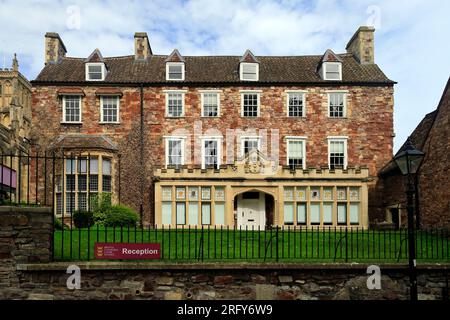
(411, 43)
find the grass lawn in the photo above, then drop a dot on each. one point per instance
(230, 245)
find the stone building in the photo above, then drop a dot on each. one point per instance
(247, 140)
(432, 197)
(15, 126)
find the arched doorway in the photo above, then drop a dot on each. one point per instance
(254, 210)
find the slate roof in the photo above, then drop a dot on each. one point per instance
(420, 134)
(418, 138)
(212, 69)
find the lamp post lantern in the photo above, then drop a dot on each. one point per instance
(408, 161)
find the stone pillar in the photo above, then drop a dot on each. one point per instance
(25, 237)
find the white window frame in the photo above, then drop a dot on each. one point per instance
(324, 70)
(101, 109)
(93, 64)
(295, 138)
(219, 140)
(202, 93)
(243, 138)
(338, 139)
(182, 92)
(169, 64)
(64, 109)
(183, 145)
(258, 93)
(303, 93)
(345, 93)
(241, 71)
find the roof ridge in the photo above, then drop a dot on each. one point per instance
(115, 57)
(214, 56)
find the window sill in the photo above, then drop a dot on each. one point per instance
(299, 117)
(338, 118)
(76, 123)
(210, 117)
(109, 123)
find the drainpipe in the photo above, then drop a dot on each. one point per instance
(141, 206)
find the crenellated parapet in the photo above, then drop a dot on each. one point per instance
(240, 171)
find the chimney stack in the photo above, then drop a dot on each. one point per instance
(142, 49)
(361, 45)
(55, 49)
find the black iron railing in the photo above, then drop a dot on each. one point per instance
(41, 179)
(279, 244)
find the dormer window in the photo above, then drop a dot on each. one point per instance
(332, 71)
(175, 71)
(95, 71)
(248, 67)
(249, 71)
(330, 66)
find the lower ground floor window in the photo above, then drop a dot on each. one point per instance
(322, 205)
(193, 205)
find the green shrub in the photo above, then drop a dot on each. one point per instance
(83, 219)
(101, 202)
(99, 218)
(121, 215)
(59, 225)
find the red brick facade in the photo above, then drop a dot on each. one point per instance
(369, 126)
(138, 140)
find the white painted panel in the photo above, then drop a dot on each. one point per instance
(301, 213)
(342, 213)
(315, 213)
(181, 213)
(288, 212)
(327, 213)
(219, 214)
(206, 213)
(166, 212)
(193, 213)
(354, 213)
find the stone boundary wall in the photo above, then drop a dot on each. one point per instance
(26, 272)
(111, 280)
(25, 237)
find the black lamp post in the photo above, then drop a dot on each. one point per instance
(408, 161)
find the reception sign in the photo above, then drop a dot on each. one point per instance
(132, 251)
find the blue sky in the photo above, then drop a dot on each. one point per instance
(412, 43)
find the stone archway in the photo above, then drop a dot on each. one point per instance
(254, 209)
